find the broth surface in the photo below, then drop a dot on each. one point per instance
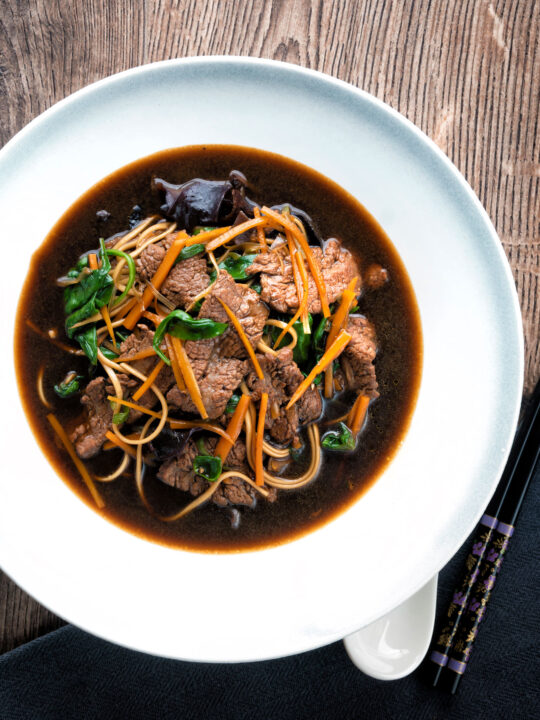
(272, 179)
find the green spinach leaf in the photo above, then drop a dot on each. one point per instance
(208, 467)
(87, 339)
(236, 265)
(202, 228)
(341, 439)
(189, 252)
(233, 402)
(120, 417)
(67, 389)
(181, 325)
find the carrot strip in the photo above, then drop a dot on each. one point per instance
(233, 428)
(329, 382)
(118, 443)
(329, 356)
(108, 323)
(338, 322)
(358, 413)
(243, 337)
(206, 236)
(66, 442)
(296, 274)
(110, 445)
(234, 231)
(303, 304)
(93, 261)
(129, 306)
(141, 355)
(341, 314)
(261, 237)
(175, 424)
(150, 380)
(189, 377)
(301, 240)
(157, 281)
(135, 406)
(174, 364)
(259, 469)
(156, 319)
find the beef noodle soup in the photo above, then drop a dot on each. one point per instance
(218, 348)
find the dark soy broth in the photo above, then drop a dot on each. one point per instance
(342, 478)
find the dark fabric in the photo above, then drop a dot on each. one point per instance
(70, 674)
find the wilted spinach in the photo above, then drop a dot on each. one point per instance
(341, 439)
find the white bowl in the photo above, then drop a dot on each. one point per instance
(327, 584)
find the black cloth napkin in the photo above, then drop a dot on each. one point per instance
(69, 674)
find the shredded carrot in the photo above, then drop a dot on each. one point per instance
(118, 443)
(189, 376)
(259, 469)
(296, 274)
(134, 406)
(141, 355)
(342, 313)
(156, 319)
(234, 231)
(288, 224)
(66, 442)
(358, 413)
(157, 280)
(206, 236)
(329, 382)
(93, 261)
(107, 318)
(175, 424)
(303, 304)
(233, 428)
(261, 237)
(174, 364)
(329, 356)
(150, 380)
(243, 337)
(339, 321)
(110, 445)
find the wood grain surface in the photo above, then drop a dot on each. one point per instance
(467, 72)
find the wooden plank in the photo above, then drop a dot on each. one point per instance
(465, 71)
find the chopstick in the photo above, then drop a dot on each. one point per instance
(452, 649)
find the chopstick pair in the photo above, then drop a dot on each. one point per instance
(452, 649)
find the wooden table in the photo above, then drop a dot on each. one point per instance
(467, 72)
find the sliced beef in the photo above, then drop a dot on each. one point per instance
(281, 378)
(234, 491)
(245, 304)
(151, 258)
(178, 472)
(217, 377)
(278, 289)
(186, 279)
(90, 435)
(218, 363)
(357, 359)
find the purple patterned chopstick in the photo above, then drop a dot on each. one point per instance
(452, 649)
